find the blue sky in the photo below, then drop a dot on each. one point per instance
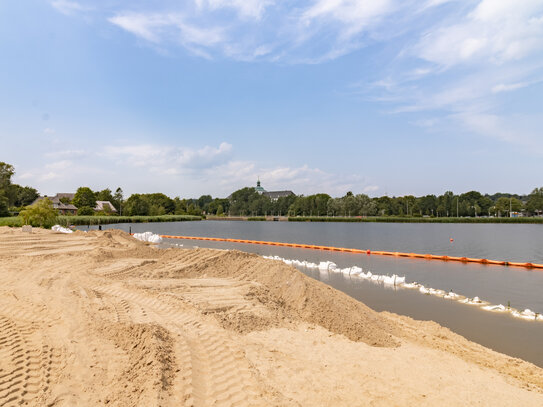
(202, 96)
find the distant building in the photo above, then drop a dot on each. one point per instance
(273, 195)
(63, 208)
(105, 206)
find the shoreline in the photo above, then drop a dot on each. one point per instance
(75, 220)
(130, 324)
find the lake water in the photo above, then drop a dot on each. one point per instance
(523, 288)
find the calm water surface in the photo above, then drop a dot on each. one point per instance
(523, 288)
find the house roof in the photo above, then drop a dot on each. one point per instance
(68, 195)
(277, 194)
(56, 203)
(100, 206)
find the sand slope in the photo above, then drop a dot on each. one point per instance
(101, 319)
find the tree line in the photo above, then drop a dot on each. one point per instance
(248, 202)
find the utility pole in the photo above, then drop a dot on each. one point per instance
(510, 205)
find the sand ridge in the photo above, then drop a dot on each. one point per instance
(99, 318)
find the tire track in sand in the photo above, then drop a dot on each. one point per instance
(212, 370)
(27, 364)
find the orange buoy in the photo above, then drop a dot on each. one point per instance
(368, 252)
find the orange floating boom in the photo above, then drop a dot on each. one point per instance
(368, 252)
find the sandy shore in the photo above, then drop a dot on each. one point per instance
(99, 318)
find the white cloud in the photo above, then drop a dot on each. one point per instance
(66, 154)
(520, 130)
(245, 8)
(59, 165)
(502, 87)
(496, 31)
(353, 15)
(49, 131)
(170, 27)
(167, 159)
(301, 180)
(49, 176)
(69, 7)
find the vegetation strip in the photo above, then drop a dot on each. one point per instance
(368, 252)
(405, 219)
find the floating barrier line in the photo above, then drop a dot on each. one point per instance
(368, 252)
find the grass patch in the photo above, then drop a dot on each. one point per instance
(106, 220)
(397, 219)
(13, 221)
(257, 218)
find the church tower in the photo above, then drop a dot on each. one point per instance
(259, 188)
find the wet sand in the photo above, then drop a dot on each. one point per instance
(99, 318)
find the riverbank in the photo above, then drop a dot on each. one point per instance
(15, 221)
(66, 220)
(413, 219)
(102, 318)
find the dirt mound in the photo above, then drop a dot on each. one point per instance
(288, 291)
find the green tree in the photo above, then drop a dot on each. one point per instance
(158, 200)
(6, 172)
(21, 196)
(4, 207)
(365, 205)
(136, 206)
(535, 201)
(41, 214)
(118, 200)
(220, 210)
(85, 211)
(84, 197)
(503, 205)
(105, 195)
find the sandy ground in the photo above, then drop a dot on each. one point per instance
(101, 319)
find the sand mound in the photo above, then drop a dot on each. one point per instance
(100, 318)
(286, 290)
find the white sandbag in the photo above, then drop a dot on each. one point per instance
(60, 229)
(149, 237)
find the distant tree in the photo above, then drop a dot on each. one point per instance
(193, 209)
(535, 201)
(84, 197)
(118, 200)
(135, 205)
(85, 211)
(204, 201)
(180, 206)
(247, 201)
(156, 210)
(6, 172)
(21, 196)
(365, 206)
(220, 210)
(105, 195)
(4, 207)
(158, 200)
(41, 214)
(503, 205)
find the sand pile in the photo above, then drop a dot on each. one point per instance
(100, 318)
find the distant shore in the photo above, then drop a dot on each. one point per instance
(15, 221)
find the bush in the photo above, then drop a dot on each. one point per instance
(85, 211)
(257, 218)
(40, 214)
(4, 209)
